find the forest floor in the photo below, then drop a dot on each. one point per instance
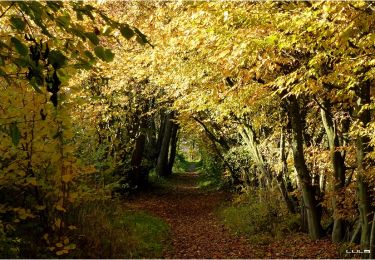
(196, 231)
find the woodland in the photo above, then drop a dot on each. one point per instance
(187, 129)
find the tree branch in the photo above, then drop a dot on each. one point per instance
(10, 6)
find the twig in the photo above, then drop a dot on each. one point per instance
(10, 6)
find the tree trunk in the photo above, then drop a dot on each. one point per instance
(338, 165)
(308, 194)
(224, 145)
(362, 149)
(248, 135)
(290, 203)
(363, 198)
(173, 149)
(160, 136)
(136, 176)
(162, 163)
(372, 238)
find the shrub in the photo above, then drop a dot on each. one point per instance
(260, 218)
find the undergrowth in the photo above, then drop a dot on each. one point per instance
(107, 230)
(262, 218)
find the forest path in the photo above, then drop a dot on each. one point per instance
(196, 232)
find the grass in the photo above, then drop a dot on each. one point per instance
(107, 230)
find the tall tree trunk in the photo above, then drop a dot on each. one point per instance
(162, 163)
(338, 165)
(364, 204)
(135, 176)
(308, 193)
(290, 203)
(372, 238)
(160, 136)
(173, 148)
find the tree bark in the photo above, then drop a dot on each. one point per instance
(136, 176)
(308, 194)
(173, 148)
(160, 136)
(248, 135)
(338, 166)
(162, 163)
(362, 149)
(372, 238)
(290, 203)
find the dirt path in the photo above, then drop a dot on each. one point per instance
(196, 231)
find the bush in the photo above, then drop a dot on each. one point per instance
(9, 247)
(261, 219)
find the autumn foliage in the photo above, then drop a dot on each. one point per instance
(277, 96)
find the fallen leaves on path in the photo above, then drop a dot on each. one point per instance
(197, 233)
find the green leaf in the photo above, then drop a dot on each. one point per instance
(22, 61)
(141, 37)
(85, 65)
(2, 73)
(92, 37)
(63, 21)
(78, 31)
(14, 133)
(54, 5)
(35, 85)
(126, 31)
(104, 54)
(109, 55)
(63, 75)
(36, 10)
(107, 30)
(20, 47)
(99, 52)
(17, 23)
(57, 59)
(89, 55)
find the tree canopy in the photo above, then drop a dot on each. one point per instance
(278, 96)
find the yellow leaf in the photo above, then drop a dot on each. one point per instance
(61, 252)
(88, 170)
(66, 241)
(70, 246)
(58, 222)
(71, 227)
(40, 207)
(72, 196)
(67, 178)
(59, 244)
(45, 236)
(31, 180)
(59, 207)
